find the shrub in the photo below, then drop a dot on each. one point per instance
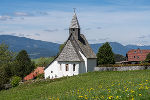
(40, 76)
(15, 81)
(124, 65)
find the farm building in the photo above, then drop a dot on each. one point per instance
(137, 55)
(34, 74)
(76, 57)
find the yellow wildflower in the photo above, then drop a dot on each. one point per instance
(91, 89)
(110, 97)
(102, 97)
(146, 87)
(140, 94)
(80, 96)
(117, 97)
(57, 99)
(132, 91)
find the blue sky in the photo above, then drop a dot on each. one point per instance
(123, 21)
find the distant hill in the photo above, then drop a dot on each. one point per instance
(35, 48)
(38, 48)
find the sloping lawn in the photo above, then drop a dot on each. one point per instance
(130, 85)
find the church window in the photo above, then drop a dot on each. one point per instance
(60, 67)
(51, 71)
(73, 29)
(74, 67)
(67, 67)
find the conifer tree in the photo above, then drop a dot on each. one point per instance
(23, 64)
(105, 55)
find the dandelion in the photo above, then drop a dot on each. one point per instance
(146, 87)
(117, 97)
(132, 98)
(102, 97)
(132, 91)
(80, 96)
(140, 94)
(57, 99)
(91, 89)
(110, 97)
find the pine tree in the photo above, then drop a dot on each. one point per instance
(23, 64)
(148, 58)
(105, 55)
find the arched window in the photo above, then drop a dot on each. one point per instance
(74, 67)
(60, 68)
(73, 29)
(67, 67)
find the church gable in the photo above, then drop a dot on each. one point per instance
(68, 53)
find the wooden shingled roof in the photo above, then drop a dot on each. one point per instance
(72, 47)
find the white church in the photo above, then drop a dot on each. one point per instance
(76, 57)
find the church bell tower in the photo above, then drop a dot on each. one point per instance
(74, 28)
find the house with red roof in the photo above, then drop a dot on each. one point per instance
(137, 55)
(35, 73)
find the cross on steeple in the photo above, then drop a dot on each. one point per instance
(74, 10)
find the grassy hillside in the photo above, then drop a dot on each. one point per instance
(43, 61)
(128, 85)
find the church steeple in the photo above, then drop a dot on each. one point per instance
(74, 26)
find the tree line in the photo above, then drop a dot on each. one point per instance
(12, 64)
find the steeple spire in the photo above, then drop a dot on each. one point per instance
(74, 28)
(74, 22)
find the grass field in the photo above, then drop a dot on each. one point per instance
(129, 85)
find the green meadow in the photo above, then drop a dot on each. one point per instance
(126, 85)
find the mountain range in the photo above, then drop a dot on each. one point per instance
(38, 48)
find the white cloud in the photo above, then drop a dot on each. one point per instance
(21, 14)
(5, 17)
(120, 26)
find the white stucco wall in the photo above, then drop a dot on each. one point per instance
(55, 70)
(91, 63)
(52, 67)
(60, 70)
(83, 67)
